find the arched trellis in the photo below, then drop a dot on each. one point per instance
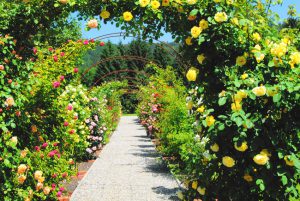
(117, 72)
(165, 45)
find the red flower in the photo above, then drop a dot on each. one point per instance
(56, 84)
(86, 42)
(62, 54)
(66, 123)
(45, 145)
(62, 78)
(55, 58)
(102, 43)
(34, 50)
(75, 70)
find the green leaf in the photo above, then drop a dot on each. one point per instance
(271, 63)
(276, 98)
(284, 180)
(222, 101)
(194, 12)
(7, 163)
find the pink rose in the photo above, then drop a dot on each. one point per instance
(75, 70)
(55, 58)
(62, 54)
(34, 50)
(70, 107)
(45, 145)
(66, 123)
(86, 42)
(56, 84)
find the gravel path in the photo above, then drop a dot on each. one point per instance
(128, 169)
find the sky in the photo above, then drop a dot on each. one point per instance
(108, 28)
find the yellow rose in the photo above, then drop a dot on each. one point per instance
(235, 21)
(21, 179)
(222, 94)
(144, 3)
(155, 4)
(201, 109)
(228, 161)
(210, 120)
(261, 159)
(260, 91)
(220, 17)
(287, 161)
(201, 191)
(196, 31)
(191, 2)
(93, 23)
(248, 178)
(215, 147)
(165, 2)
(256, 48)
(39, 186)
(218, 1)
(256, 36)
(38, 174)
(22, 169)
(241, 148)
(244, 76)
(9, 102)
(14, 140)
(192, 74)
(203, 24)
(279, 50)
(241, 61)
(260, 57)
(180, 195)
(236, 106)
(127, 16)
(188, 41)
(46, 190)
(201, 58)
(194, 185)
(295, 57)
(104, 14)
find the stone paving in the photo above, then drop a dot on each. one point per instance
(128, 169)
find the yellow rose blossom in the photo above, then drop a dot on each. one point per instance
(41, 179)
(144, 3)
(127, 16)
(192, 74)
(242, 94)
(256, 48)
(228, 161)
(38, 174)
(155, 4)
(215, 147)
(260, 57)
(244, 76)
(229, 2)
(39, 186)
(248, 177)
(210, 120)
(222, 94)
(203, 24)
(261, 159)
(218, 1)
(22, 169)
(46, 190)
(188, 41)
(21, 179)
(191, 2)
(105, 14)
(260, 91)
(201, 191)
(201, 109)
(196, 31)
(236, 106)
(288, 162)
(256, 37)
(201, 58)
(265, 152)
(194, 185)
(279, 50)
(295, 58)
(24, 153)
(235, 21)
(220, 17)
(165, 2)
(241, 60)
(243, 147)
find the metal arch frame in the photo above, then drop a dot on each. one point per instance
(123, 34)
(116, 72)
(125, 57)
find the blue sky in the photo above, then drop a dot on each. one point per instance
(108, 28)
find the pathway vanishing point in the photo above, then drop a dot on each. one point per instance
(128, 169)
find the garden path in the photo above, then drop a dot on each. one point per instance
(128, 169)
